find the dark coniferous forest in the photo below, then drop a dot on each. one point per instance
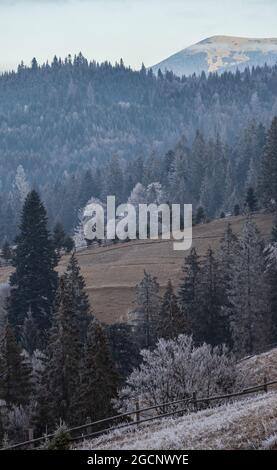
(75, 129)
(72, 131)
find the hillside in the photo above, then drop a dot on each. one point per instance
(221, 54)
(112, 273)
(249, 423)
(76, 130)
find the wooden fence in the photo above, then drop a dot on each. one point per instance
(189, 404)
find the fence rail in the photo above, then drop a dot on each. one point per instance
(137, 412)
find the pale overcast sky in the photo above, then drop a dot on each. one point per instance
(136, 30)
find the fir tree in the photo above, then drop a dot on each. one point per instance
(198, 159)
(251, 201)
(188, 292)
(171, 320)
(210, 325)
(200, 215)
(124, 347)
(147, 299)
(99, 379)
(248, 294)
(80, 298)
(58, 237)
(15, 373)
(34, 280)
(269, 166)
(61, 380)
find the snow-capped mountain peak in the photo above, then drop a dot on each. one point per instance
(221, 53)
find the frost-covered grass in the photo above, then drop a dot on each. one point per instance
(257, 367)
(250, 423)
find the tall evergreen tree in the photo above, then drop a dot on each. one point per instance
(58, 237)
(210, 325)
(99, 379)
(251, 201)
(15, 373)
(198, 163)
(147, 299)
(249, 294)
(188, 292)
(81, 303)
(61, 380)
(34, 280)
(269, 166)
(171, 321)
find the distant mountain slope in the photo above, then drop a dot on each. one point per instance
(219, 54)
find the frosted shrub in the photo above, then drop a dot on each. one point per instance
(176, 369)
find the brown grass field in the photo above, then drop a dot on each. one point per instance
(111, 273)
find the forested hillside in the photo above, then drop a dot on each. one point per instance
(75, 129)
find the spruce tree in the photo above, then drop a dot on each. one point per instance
(99, 379)
(268, 184)
(34, 280)
(198, 164)
(81, 303)
(170, 321)
(58, 237)
(251, 201)
(210, 326)
(15, 373)
(188, 292)
(147, 299)
(249, 294)
(61, 380)
(271, 278)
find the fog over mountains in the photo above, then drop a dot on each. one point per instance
(220, 54)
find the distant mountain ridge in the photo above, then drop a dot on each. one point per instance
(220, 54)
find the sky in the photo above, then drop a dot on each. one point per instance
(139, 31)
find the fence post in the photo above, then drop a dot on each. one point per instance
(194, 397)
(89, 428)
(265, 384)
(31, 437)
(137, 412)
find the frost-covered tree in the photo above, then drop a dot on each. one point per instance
(271, 277)
(138, 195)
(175, 370)
(248, 294)
(147, 300)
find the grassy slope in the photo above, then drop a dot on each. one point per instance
(111, 273)
(249, 423)
(244, 424)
